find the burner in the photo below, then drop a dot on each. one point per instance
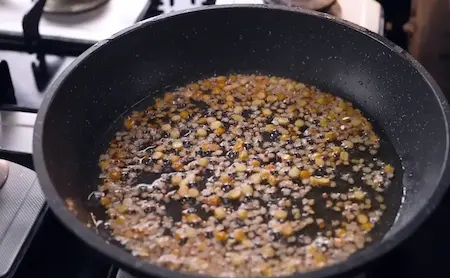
(21, 201)
(331, 7)
(72, 6)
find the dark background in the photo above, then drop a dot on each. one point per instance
(396, 15)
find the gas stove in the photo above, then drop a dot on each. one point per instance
(37, 41)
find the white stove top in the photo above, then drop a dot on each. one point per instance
(101, 23)
(94, 25)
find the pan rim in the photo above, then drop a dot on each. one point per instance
(134, 264)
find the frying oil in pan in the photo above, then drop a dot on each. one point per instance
(246, 170)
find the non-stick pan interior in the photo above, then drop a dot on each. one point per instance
(155, 56)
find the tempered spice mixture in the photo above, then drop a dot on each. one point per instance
(244, 175)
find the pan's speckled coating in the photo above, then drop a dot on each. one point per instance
(169, 51)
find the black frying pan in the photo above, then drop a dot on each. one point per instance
(75, 120)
